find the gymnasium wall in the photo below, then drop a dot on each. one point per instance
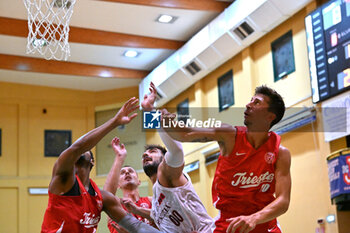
(22, 162)
(23, 165)
(310, 199)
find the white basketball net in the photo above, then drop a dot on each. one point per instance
(48, 25)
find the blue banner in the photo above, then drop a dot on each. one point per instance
(339, 175)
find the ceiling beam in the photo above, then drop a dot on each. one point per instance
(203, 5)
(20, 63)
(19, 27)
(89, 36)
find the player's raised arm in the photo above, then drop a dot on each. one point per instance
(111, 184)
(193, 134)
(148, 100)
(171, 169)
(224, 135)
(63, 170)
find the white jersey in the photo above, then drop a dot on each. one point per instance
(179, 210)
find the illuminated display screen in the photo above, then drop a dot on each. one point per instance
(328, 42)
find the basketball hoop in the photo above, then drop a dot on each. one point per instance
(48, 25)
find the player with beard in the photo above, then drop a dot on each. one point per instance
(126, 179)
(175, 205)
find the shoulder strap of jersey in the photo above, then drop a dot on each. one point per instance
(240, 132)
(81, 186)
(96, 188)
(276, 139)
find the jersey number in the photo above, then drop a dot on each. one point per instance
(176, 218)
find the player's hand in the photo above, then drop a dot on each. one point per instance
(117, 227)
(148, 100)
(122, 117)
(241, 224)
(129, 205)
(118, 148)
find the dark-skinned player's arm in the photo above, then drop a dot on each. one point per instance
(63, 171)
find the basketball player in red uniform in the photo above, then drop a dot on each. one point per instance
(252, 182)
(75, 201)
(126, 178)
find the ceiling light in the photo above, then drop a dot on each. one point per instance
(131, 53)
(22, 67)
(166, 19)
(105, 74)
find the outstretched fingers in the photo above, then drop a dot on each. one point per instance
(131, 104)
(132, 99)
(234, 224)
(133, 116)
(152, 87)
(115, 141)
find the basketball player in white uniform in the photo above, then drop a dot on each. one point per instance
(176, 208)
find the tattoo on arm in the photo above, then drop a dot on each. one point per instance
(203, 139)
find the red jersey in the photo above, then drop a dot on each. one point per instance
(244, 181)
(142, 202)
(73, 213)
